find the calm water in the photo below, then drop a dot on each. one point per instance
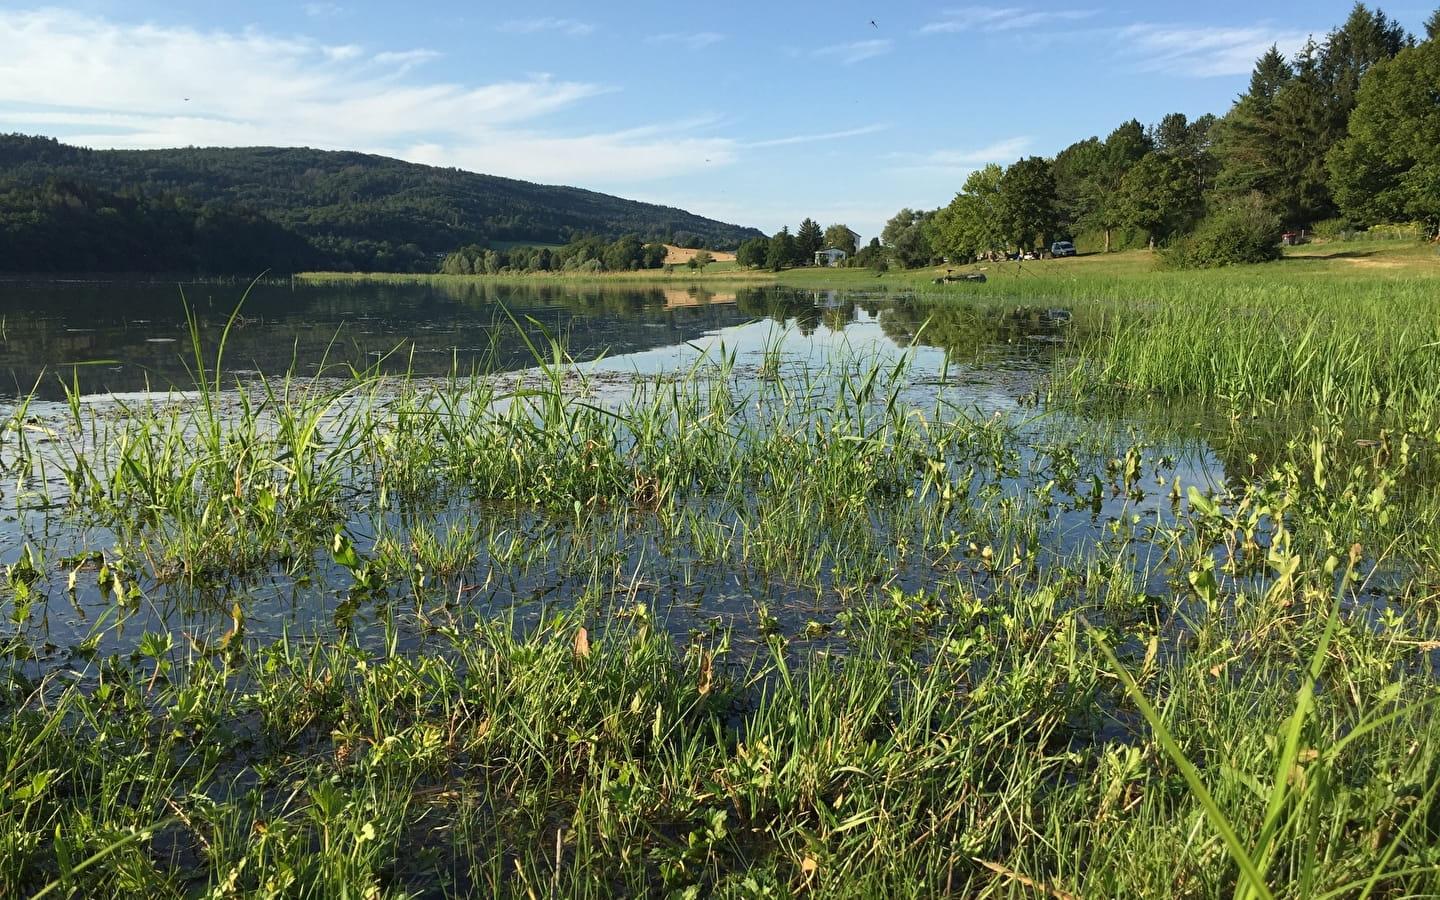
(124, 337)
(100, 338)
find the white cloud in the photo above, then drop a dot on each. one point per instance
(854, 52)
(816, 138)
(322, 10)
(697, 41)
(572, 27)
(404, 60)
(96, 83)
(1002, 153)
(1204, 52)
(594, 159)
(1008, 18)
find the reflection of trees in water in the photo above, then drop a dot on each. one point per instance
(805, 310)
(970, 332)
(132, 336)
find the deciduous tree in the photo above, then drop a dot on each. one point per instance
(782, 250)
(905, 235)
(840, 237)
(753, 253)
(972, 223)
(1027, 202)
(1158, 196)
(1387, 168)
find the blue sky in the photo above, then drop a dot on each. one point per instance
(758, 113)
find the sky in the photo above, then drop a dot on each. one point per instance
(755, 112)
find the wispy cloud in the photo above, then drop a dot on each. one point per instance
(572, 27)
(1007, 18)
(817, 138)
(96, 83)
(697, 41)
(322, 10)
(1204, 52)
(852, 53)
(402, 61)
(591, 159)
(1001, 152)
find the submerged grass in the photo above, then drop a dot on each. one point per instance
(964, 654)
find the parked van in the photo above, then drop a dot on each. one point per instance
(1062, 248)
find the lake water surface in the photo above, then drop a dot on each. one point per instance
(85, 344)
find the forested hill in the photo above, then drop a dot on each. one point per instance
(354, 210)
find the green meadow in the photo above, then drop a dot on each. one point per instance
(1164, 624)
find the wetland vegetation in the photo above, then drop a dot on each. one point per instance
(1062, 586)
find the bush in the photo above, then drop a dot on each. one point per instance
(1333, 229)
(1247, 230)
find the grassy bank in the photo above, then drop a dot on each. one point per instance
(759, 628)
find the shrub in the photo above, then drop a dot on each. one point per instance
(1333, 229)
(1246, 230)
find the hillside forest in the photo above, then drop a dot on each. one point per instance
(247, 210)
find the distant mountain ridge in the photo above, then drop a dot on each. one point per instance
(355, 210)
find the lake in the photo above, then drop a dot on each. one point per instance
(80, 357)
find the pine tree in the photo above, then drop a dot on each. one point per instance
(808, 241)
(1276, 137)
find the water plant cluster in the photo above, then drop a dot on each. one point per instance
(759, 627)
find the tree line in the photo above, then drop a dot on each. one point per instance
(590, 253)
(784, 250)
(1346, 135)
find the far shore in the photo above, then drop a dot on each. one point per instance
(1369, 259)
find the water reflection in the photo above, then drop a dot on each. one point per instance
(97, 336)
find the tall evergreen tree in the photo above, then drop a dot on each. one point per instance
(1276, 137)
(808, 240)
(1365, 39)
(1247, 137)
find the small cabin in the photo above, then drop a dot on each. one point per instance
(831, 257)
